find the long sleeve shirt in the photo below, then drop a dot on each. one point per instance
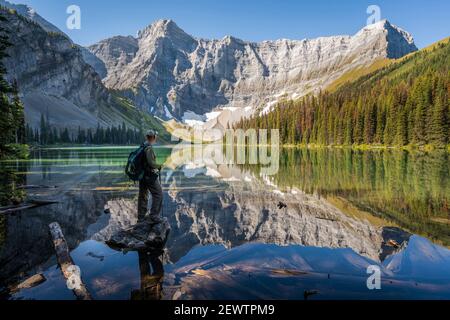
(151, 158)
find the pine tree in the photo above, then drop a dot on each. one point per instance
(369, 124)
(6, 118)
(422, 97)
(43, 134)
(18, 116)
(391, 116)
(401, 136)
(359, 123)
(439, 125)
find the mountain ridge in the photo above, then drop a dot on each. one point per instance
(172, 74)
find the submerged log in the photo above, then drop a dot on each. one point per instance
(28, 283)
(26, 205)
(69, 270)
(29, 187)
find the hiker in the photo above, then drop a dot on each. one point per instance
(150, 182)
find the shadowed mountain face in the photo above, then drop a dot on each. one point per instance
(170, 73)
(54, 79)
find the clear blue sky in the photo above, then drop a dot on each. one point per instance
(254, 20)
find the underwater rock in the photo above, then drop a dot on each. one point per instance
(142, 236)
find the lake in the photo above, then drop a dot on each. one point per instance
(311, 230)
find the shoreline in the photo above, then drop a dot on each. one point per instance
(425, 148)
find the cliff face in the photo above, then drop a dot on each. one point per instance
(115, 53)
(169, 73)
(50, 63)
(54, 79)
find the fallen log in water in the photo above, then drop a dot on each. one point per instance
(28, 187)
(28, 283)
(26, 205)
(69, 270)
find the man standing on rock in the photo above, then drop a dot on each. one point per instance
(150, 183)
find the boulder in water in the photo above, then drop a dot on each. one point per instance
(145, 235)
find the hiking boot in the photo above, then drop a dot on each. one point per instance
(154, 219)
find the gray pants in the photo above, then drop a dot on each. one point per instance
(146, 186)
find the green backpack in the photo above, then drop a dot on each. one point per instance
(135, 168)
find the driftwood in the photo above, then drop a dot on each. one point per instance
(28, 187)
(25, 206)
(69, 270)
(286, 272)
(30, 282)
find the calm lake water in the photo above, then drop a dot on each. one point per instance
(311, 230)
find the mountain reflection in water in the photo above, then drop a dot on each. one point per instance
(342, 211)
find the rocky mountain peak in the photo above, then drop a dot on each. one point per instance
(233, 41)
(386, 25)
(162, 28)
(399, 41)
